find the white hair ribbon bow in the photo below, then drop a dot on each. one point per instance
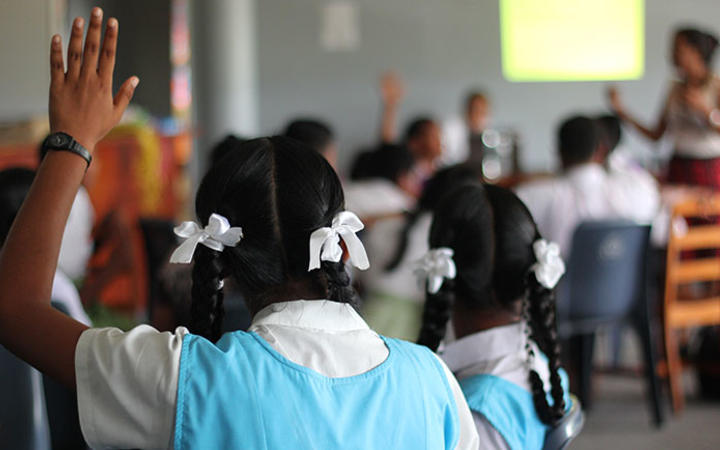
(549, 267)
(325, 242)
(434, 267)
(216, 235)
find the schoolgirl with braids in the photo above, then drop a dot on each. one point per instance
(310, 373)
(490, 271)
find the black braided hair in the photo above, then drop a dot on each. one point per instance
(491, 233)
(440, 184)
(436, 314)
(207, 309)
(278, 191)
(543, 330)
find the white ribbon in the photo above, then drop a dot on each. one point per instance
(216, 235)
(325, 242)
(434, 267)
(549, 267)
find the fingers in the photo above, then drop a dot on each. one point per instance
(92, 43)
(57, 68)
(107, 56)
(124, 95)
(74, 59)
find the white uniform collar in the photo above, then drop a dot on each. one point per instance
(485, 347)
(324, 315)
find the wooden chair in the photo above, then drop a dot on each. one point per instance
(693, 256)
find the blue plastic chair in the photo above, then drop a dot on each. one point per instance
(560, 436)
(23, 418)
(606, 284)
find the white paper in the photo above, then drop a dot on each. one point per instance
(340, 26)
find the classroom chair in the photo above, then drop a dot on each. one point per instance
(560, 436)
(606, 284)
(693, 260)
(23, 419)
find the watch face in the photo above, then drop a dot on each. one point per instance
(59, 140)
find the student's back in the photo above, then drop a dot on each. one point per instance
(309, 373)
(585, 190)
(490, 271)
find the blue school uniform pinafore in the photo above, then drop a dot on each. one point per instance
(241, 393)
(509, 409)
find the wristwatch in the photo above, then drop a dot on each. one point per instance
(65, 142)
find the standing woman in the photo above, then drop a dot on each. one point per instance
(691, 113)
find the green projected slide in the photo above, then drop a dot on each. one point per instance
(572, 40)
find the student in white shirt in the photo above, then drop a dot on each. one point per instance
(384, 183)
(311, 375)
(490, 271)
(585, 190)
(458, 132)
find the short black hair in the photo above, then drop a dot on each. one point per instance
(577, 140)
(609, 130)
(229, 144)
(311, 132)
(388, 161)
(417, 127)
(473, 95)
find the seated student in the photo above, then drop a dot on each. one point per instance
(423, 139)
(584, 190)
(310, 374)
(14, 186)
(317, 135)
(636, 186)
(490, 271)
(462, 133)
(386, 184)
(422, 135)
(394, 299)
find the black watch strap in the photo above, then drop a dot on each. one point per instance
(65, 142)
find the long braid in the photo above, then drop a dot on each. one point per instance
(436, 315)
(338, 283)
(207, 309)
(540, 317)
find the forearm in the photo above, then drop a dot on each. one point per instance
(27, 266)
(388, 124)
(651, 133)
(29, 257)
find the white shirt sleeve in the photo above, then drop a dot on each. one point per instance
(468, 432)
(490, 438)
(127, 386)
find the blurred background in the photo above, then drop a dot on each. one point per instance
(367, 68)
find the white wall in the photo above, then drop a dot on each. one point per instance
(442, 48)
(25, 30)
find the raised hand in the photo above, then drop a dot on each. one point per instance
(81, 99)
(392, 88)
(615, 103)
